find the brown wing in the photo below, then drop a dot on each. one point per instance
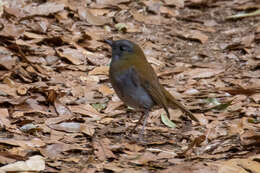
(158, 93)
(150, 82)
(152, 85)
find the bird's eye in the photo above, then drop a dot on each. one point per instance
(123, 48)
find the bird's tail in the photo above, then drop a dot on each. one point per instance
(173, 103)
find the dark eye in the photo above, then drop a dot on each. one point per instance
(123, 48)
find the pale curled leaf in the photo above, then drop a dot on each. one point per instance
(35, 163)
(167, 122)
(241, 15)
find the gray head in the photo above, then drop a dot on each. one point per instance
(121, 48)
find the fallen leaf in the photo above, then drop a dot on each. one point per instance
(177, 3)
(86, 110)
(73, 55)
(102, 149)
(86, 14)
(105, 90)
(167, 122)
(145, 158)
(43, 9)
(7, 61)
(71, 127)
(203, 72)
(35, 163)
(239, 165)
(102, 70)
(192, 34)
(35, 142)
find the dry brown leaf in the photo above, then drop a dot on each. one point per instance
(203, 72)
(102, 70)
(169, 11)
(87, 129)
(17, 12)
(86, 14)
(53, 151)
(5, 90)
(192, 34)
(13, 31)
(145, 158)
(153, 6)
(6, 160)
(248, 40)
(150, 19)
(256, 97)
(103, 151)
(57, 120)
(86, 110)
(189, 167)
(43, 9)
(133, 147)
(72, 127)
(7, 61)
(177, 3)
(109, 3)
(112, 108)
(61, 109)
(106, 120)
(239, 165)
(4, 118)
(105, 90)
(35, 142)
(34, 36)
(250, 138)
(113, 167)
(73, 55)
(11, 83)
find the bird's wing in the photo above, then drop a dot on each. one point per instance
(159, 94)
(149, 81)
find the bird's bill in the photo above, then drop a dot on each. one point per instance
(110, 42)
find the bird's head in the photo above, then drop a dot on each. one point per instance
(124, 49)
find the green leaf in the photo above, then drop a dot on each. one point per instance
(213, 101)
(167, 122)
(130, 108)
(240, 15)
(121, 27)
(253, 120)
(99, 106)
(222, 106)
(107, 28)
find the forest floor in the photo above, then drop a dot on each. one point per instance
(59, 113)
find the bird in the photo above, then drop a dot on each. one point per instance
(136, 83)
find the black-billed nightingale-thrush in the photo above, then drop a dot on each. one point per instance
(135, 82)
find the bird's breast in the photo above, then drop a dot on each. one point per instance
(128, 87)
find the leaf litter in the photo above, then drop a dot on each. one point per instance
(59, 113)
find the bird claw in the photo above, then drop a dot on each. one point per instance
(141, 137)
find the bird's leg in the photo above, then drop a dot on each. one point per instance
(146, 114)
(139, 121)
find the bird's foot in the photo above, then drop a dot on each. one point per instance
(141, 138)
